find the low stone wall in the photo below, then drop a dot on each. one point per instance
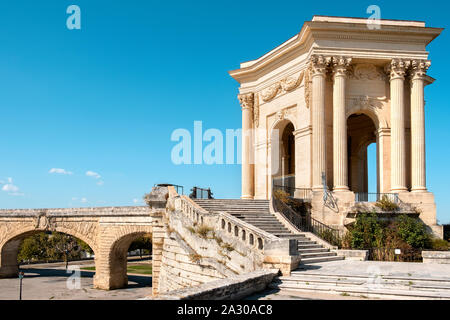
(442, 257)
(358, 255)
(232, 288)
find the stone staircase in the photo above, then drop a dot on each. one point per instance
(257, 213)
(385, 286)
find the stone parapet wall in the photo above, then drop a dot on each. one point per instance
(357, 255)
(232, 288)
(72, 212)
(442, 257)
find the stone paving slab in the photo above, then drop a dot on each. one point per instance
(51, 284)
(427, 271)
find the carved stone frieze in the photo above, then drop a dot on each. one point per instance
(256, 110)
(366, 71)
(285, 85)
(364, 102)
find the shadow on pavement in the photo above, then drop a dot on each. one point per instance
(134, 281)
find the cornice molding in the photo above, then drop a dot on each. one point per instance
(323, 30)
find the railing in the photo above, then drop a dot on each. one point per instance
(298, 193)
(307, 223)
(231, 226)
(177, 187)
(201, 193)
(374, 197)
(285, 180)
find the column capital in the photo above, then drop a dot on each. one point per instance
(246, 100)
(397, 68)
(340, 65)
(319, 65)
(419, 69)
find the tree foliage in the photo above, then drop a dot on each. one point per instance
(51, 246)
(369, 231)
(143, 244)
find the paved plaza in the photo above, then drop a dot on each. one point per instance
(50, 282)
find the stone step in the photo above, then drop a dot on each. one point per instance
(273, 230)
(308, 244)
(320, 259)
(368, 281)
(300, 272)
(302, 251)
(361, 290)
(262, 221)
(317, 255)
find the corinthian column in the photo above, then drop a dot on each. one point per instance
(398, 159)
(246, 101)
(319, 66)
(340, 163)
(418, 179)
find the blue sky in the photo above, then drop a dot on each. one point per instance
(106, 98)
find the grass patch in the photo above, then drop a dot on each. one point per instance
(139, 269)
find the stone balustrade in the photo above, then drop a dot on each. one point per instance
(233, 227)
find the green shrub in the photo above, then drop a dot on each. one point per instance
(440, 244)
(386, 204)
(367, 232)
(413, 231)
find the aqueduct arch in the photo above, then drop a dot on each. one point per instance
(108, 231)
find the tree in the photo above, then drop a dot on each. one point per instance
(51, 246)
(63, 246)
(34, 247)
(142, 244)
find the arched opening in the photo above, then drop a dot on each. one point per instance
(53, 251)
(121, 264)
(362, 143)
(283, 156)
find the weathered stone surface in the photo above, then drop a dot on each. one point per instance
(232, 288)
(358, 255)
(108, 231)
(442, 257)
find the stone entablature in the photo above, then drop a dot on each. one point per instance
(333, 70)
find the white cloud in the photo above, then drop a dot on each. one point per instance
(100, 183)
(93, 174)
(12, 189)
(60, 171)
(136, 200)
(83, 200)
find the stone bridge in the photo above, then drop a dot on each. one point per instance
(109, 232)
(183, 255)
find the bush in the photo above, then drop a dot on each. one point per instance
(385, 204)
(405, 233)
(440, 244)
(367, 232)
(296, 205)
(413, 232)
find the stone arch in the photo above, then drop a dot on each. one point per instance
(361, 132)
(282, 151)
(13, 237)
(112, 265)
(373, 110)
